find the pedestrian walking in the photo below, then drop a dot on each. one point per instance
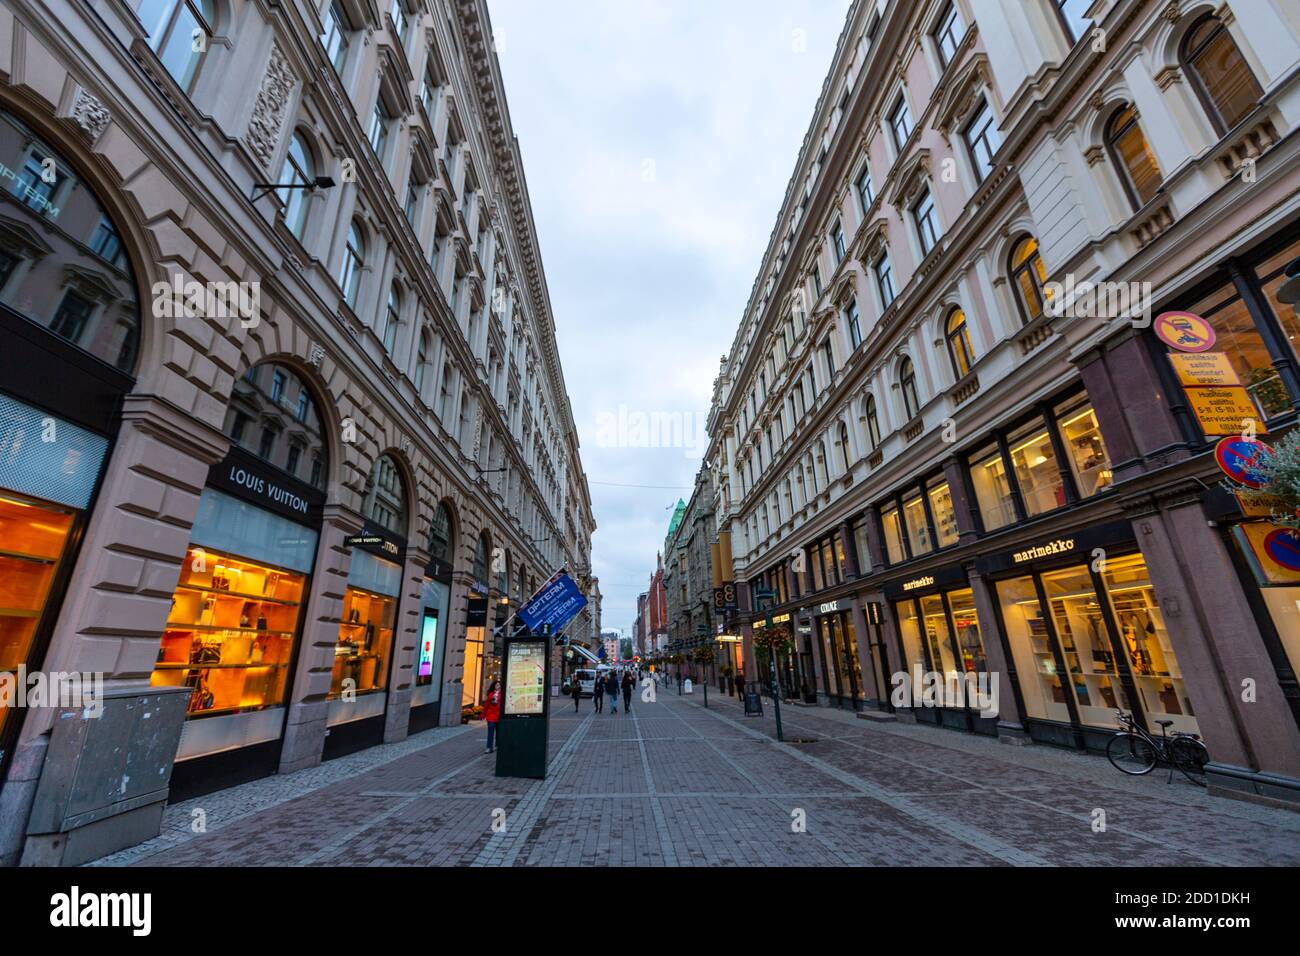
(492, 714)
(598, 693)
(611, 688)
(628, 683)
(576, 690)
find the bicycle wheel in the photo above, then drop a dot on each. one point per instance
(1131, 754)
(1190, 756)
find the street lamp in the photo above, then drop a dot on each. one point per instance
(320, 182)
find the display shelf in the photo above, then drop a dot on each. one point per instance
(183, 666)
(222, 592)
(26, 556)
(213, 628)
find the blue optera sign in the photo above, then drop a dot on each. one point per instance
(555, 604)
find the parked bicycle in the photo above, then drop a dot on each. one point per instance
(1135, 752)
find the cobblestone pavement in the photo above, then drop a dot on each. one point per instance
(675, 784)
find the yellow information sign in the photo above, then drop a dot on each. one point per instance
(1224, 411)
(1204, 368)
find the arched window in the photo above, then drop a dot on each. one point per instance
(298, 170)
(354, 260)
(442, 542)
(421, 363)
(1028, 276)
(907, 384)
(62, 261)
(503, 576)
(1132, 156)
(959, 347)
(272, 414)
(392, 318)
(844, 446)
(873, 421)
(179, 33)
(481, 559)
(385, 502)
(1227, 88)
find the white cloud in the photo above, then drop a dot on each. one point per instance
(648, 279)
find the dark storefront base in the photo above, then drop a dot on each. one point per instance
(204, 775)
(344, 739)
(424, 717)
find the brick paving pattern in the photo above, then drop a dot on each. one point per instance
(674, 784)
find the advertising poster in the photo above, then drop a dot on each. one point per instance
(428, 645)
(525, 678)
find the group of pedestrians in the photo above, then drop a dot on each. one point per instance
(608, 686)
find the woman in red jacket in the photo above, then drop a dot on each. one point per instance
(492, 713)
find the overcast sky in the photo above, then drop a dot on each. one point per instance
(658, 137)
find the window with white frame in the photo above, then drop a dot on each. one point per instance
(334, 35)
(854, 322)
(948, 33)
(928, 229)
(837, 241)
(866, 194)
(884, 279)
(982, 140)
(900, 122)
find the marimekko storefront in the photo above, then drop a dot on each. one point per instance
(1086, 637)
(941, 639)
(236, 618)
(435, 614)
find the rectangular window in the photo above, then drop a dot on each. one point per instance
(927, 224)
(861, 544)
(945, 518)
(918, 530)
(866, 194)
(1073, 19)
(105, 242)
(982, 140)
(335, 38)
(830, 359)
(884, 280)
(1037, 470)
(230, 634)
(378, 134)
(949, 33)
(73, 315)
(895, 553)
(900, 121)
(1085, 449)
(399, 19)
(837, 241)
(992, 488)
(854, 323)
(1237, 337)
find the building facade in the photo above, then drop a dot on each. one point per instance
(269, 282)
(942, 457)
(688, 577)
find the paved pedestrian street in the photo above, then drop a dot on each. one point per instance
(675, 784)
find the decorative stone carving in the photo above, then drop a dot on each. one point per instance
(316, 355)
(270, 106)
(89, 114)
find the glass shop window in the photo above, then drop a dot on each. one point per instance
(365, 639)
(918, 530)
(992, 488)
(945, 518)
(1239, 339)
(1081, 434)
(1041, 684)
(893, 526)
(1036, 467)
